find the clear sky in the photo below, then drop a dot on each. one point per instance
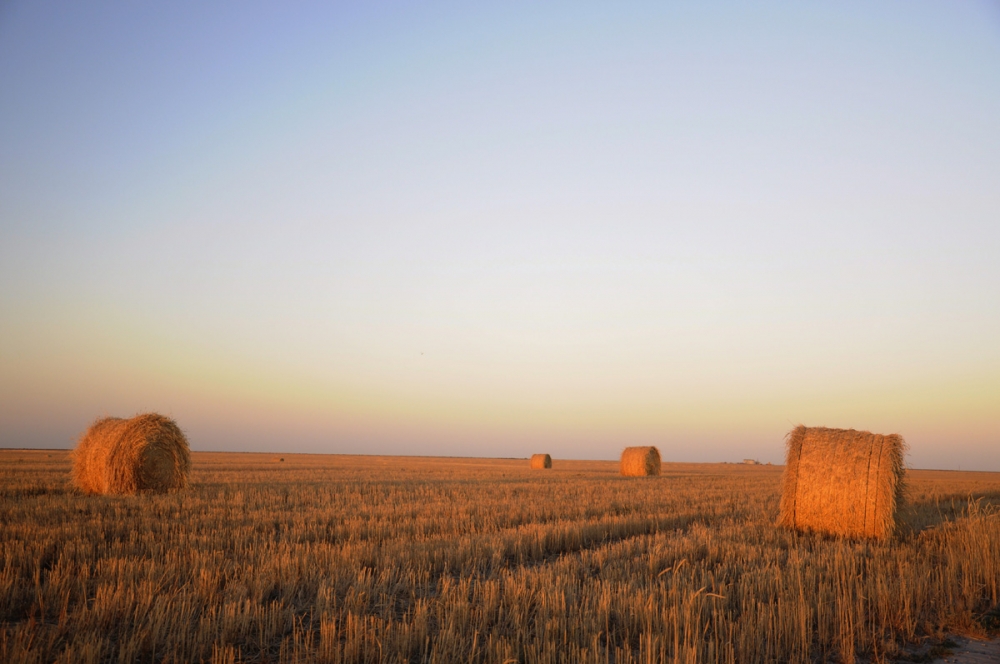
(503, 228)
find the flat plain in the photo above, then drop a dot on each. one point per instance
(282, 558)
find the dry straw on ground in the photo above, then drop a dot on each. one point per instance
(365, 559)
(118, 456)
(842, 482)
(541, 461)
(640, 461)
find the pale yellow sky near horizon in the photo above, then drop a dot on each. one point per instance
(421, 403)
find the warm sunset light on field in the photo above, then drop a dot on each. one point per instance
(500, 333)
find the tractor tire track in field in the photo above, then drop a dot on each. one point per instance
(973, 651)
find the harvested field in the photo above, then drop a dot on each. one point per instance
(377, 559)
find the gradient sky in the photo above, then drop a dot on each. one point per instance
(501, 229)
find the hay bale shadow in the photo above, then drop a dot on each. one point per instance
(917, 517)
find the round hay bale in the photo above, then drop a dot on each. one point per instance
(118, 457)
(640, 461)
(842, 482)
(541, 461)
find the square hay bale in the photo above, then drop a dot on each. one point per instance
(842, 482)
(640, 461)
(541, 461)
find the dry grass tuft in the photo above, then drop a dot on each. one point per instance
(842, 482)
(119, 457)
(541, 461)
(640, 461)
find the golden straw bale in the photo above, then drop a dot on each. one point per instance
(842, 482)
(541, 461)
(145, 453)
(640, 461)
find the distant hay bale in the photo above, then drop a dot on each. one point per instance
(541, 461)
(640, 461)
(842, 482)
(145, 453)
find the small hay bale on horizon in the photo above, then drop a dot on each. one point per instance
(117, 456)
(842, 482)
(541, 461)
(640, 461)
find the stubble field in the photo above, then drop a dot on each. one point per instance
(402, 559)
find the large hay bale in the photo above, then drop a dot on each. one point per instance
(842, 482)
(541, 461)
(640, 461)
(145, 453)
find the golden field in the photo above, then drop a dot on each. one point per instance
(403, 559)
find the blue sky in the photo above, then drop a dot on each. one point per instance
(443, 229)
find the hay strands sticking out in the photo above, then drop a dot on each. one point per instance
(118, 456)
(842, 482)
